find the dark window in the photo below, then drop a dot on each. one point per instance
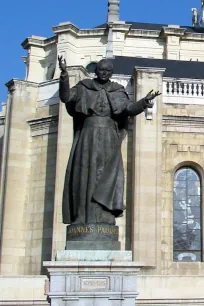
(91, 67)
(187, 234)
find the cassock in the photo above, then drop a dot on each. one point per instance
(94, 179)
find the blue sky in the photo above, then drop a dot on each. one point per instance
(22, 18)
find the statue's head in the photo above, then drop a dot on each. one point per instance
(104, 70)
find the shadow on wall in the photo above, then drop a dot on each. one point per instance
(128, 187)
(1, 207)
(1, 151)
(104, 39)
(49, 190)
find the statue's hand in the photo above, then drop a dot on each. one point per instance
(62, 63)
(150, 97)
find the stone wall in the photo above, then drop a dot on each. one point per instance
(40, 208)
(41, 138)
(182, 146)
(23, 290)
(170, 290)
(153, 290)
(14, 195)
(29, 181)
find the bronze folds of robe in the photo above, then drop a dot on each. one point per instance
(95, 177)
(94, 180)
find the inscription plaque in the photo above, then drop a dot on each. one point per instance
(90, 284)
(92, 232)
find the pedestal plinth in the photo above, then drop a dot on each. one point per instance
(92, 237)
(93, 283)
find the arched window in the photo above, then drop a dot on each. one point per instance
(187, 236)
(91, 67)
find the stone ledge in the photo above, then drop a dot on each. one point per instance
(23, 290)
(120, 256)
(24, 302)
(169, 302)
(92, 266)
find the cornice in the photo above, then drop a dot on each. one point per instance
(183, 121)
(150, 69)
(18, 302)
(143, 33)
(44, 125)
(173, 31)
(71, 28)
(116, 26)
(12, 84)
(182, 80)
(65, 27)
(120, 26)
(193, 36)
(182, 33)
(34, 41)
(183, 124)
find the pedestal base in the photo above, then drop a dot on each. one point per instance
(83, 283)
(92, 237)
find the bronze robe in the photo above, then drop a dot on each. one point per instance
(94, 180)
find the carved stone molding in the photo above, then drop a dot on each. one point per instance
(69, 27)
(172, 30)
(43, 126)
(183, 124)
(186, 148)
(14, 83)
(34, 41)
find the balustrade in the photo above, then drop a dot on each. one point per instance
(183, 88)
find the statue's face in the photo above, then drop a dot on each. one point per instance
(104, 71)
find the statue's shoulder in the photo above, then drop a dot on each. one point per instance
(114, 86)
(88, 83)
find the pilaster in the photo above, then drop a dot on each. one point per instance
(173, 36)
(147, 162)
(14, 180)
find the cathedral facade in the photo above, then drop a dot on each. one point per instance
(163, 157)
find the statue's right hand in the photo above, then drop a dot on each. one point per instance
(62, 63)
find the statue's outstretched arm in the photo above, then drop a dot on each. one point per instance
(134, 109)
(64, 88)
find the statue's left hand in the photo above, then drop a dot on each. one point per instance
(62, 63)
(150, 97)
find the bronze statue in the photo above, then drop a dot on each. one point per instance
(94, 181)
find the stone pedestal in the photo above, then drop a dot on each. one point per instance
(79, 281)
(92, 237)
